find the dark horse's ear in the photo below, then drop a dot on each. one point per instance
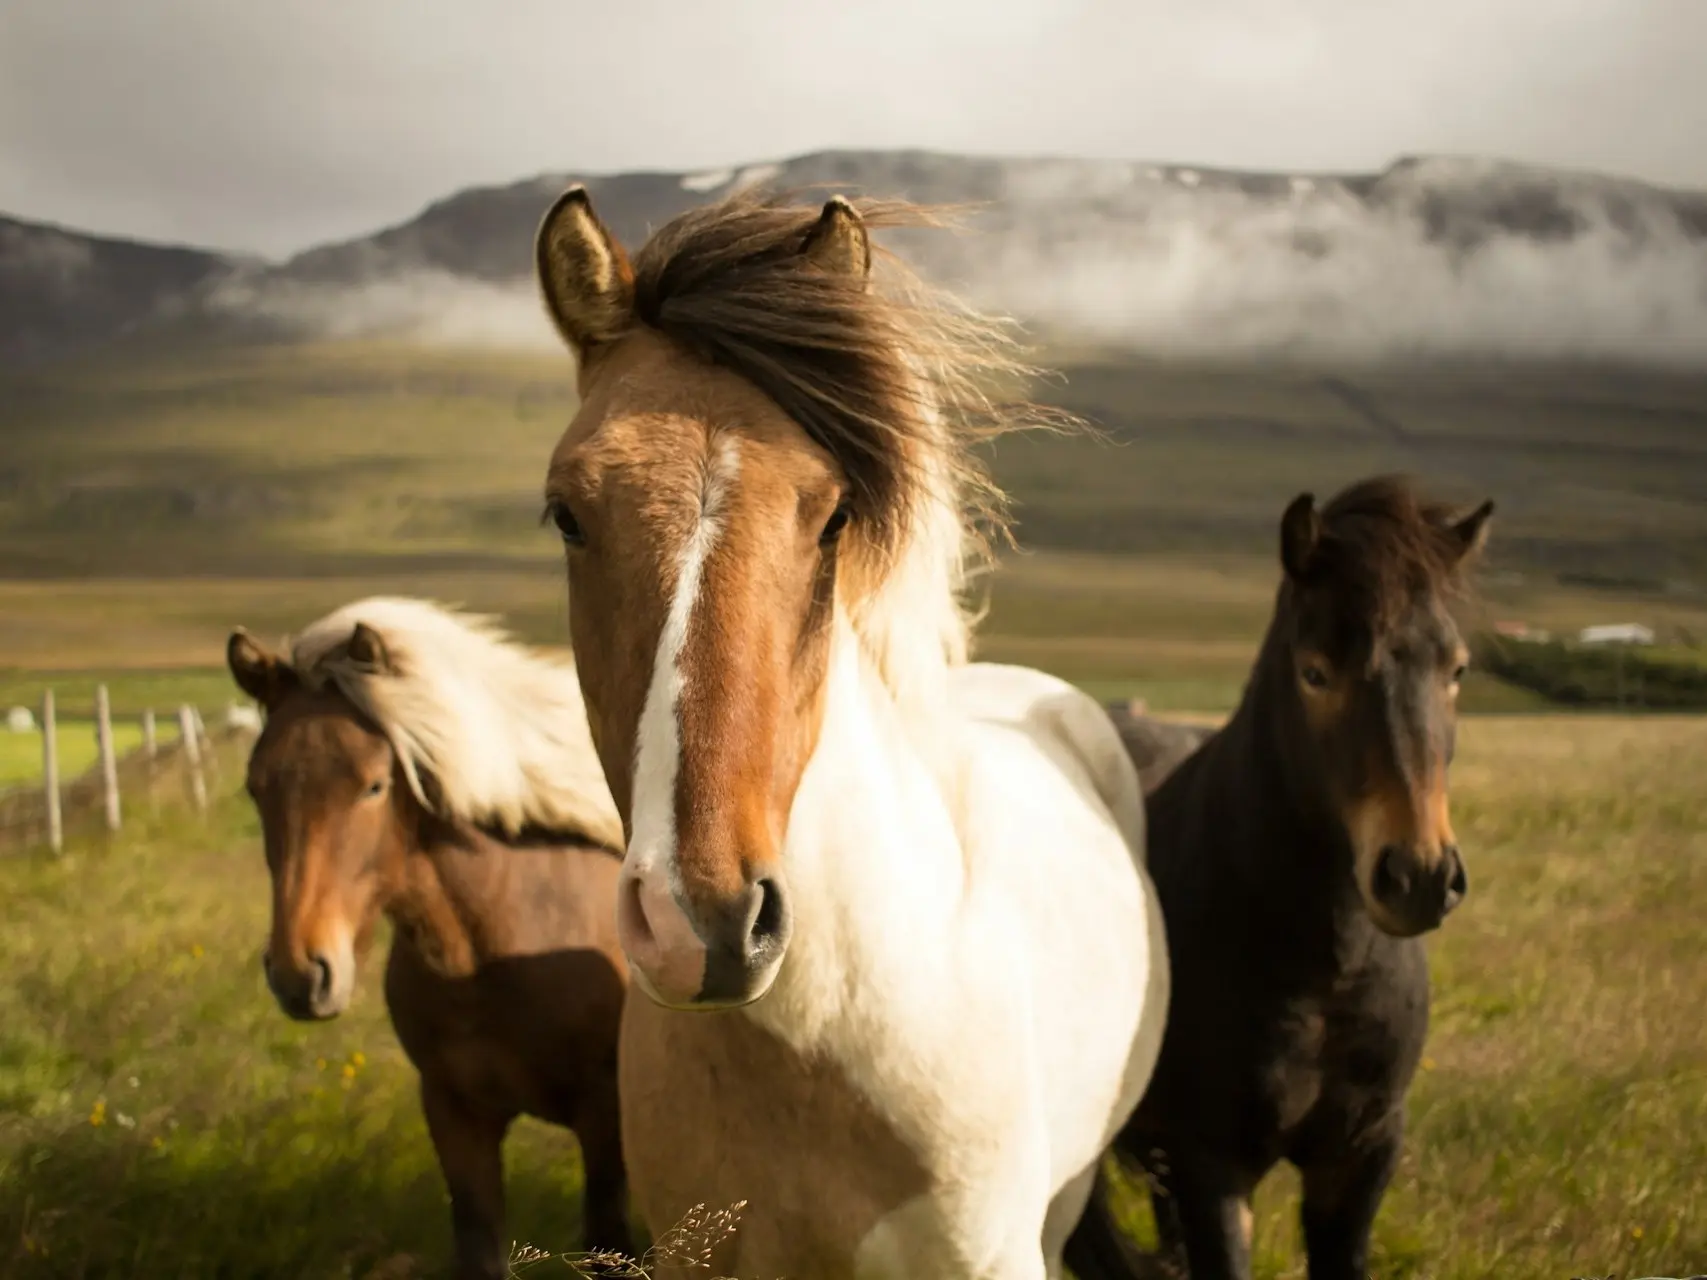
(367, 647)
(838, 242)
(263, 676)
(1470, 533)
(1300, 531)
(583, 273)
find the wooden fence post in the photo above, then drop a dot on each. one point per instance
(150, 754)
(192, 755)
(210, 761)
(50, 772)
(109, 758)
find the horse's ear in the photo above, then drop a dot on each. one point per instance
(1470, 533)
(263, 676)
(1300, 531)
(838, 242)
(367, 647)
(583, 273)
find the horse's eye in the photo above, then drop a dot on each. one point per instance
(568, 527)
(834, 525)
(375, 788)
(1460, 672)
(1315, 677)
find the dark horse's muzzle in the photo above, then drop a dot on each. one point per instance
(1416, 896)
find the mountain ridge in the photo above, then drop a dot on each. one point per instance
(1430, 255)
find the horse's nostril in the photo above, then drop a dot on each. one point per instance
(772, 914)
(768, 931)
(1457, 880)
(631, 913)
(1392, 879)
(322, 977)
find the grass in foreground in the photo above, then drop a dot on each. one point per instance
(158, 1116)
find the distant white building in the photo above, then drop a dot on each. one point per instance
(243, 715)
(1617, 633)
(20, 720)
(1514, 630)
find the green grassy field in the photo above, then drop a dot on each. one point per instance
(21, 753)
(158, 1116)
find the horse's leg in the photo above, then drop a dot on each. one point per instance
(470, 1148)
(1214, 1217)
(604, 1215)
(1340, 1201)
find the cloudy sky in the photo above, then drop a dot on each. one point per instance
(271, 126)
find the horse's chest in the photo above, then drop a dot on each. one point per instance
(716, 1111)
(497, 1056)
(1341, 1060)
(1292, 1076)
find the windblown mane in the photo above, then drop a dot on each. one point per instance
(896, 380)
(500, 729)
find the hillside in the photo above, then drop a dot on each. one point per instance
(61, 290)
(360, 457)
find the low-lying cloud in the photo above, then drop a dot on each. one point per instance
(434, 308)
(1437, 259)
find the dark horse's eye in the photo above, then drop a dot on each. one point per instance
(1459, 673)
(1315, 677)
(375, 788)
(835, 524)
(568, 527)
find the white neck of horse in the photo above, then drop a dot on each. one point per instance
(874, 858)
(913, 629)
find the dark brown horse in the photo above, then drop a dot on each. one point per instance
(416, 765)
(1299, 854)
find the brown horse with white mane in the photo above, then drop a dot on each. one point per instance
(416, 764)
(1300, 853)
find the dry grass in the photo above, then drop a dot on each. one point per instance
(691, 1243)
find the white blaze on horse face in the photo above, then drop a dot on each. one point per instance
(659, 938)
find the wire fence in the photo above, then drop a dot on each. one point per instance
(40, 812)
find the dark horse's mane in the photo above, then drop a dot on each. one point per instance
(1383, 544)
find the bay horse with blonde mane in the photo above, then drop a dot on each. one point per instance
(415, 763)
(1300, 853)
(903, 962)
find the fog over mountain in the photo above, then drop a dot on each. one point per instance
(1431, 257)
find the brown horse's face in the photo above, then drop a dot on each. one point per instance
(701, 527)
(700, 582)
(1379, 702)
(323, 783)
